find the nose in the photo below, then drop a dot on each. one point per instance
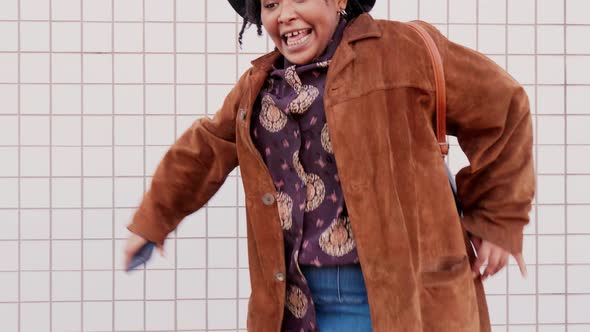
(287, 12)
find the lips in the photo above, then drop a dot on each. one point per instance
(295, 41)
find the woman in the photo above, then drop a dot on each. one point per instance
(334, 136)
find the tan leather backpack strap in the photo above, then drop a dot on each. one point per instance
(439, 80)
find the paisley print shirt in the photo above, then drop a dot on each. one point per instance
(290, 131)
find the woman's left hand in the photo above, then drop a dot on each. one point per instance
(496, 258)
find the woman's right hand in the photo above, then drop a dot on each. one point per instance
(132, 246)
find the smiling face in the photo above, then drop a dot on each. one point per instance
(300, 29)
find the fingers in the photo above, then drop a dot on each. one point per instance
(133, 244)
(482, 256)
(521, 264)
(496, 262)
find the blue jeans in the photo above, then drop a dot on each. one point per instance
(340, 297)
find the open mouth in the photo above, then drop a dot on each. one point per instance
(297, 37)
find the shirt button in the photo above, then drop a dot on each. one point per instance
(279, 276)
(268, 199)
(242, 114)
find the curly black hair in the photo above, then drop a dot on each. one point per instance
(252, 15)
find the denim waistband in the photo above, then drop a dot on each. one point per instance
(338, 284)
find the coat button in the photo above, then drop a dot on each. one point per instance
(242, 114)
(279, 276)
(268, 199)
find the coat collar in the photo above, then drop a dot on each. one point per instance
(362, 27)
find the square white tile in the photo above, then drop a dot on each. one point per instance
(159, 37)
(222, 37)
(578, 247)
(191, 253)
(97, 161)
(551, 309)
(128, 191)
(66, 223)
(34, 67)
(159, 68)
(576, 96)
(98, 99)
(66, 316)
(551, 279)
(577, 279)
(433, 10)
(222, 314)
(578, 71)
(521, 39)
(97, 37)
(550, 39)
(129, 286)
(34, 192)
(550, 11)
(66, 99)
(159, 130)
(98, 316)
(550, 69)
(190, 99)
(10, 224)
(521, 11)
(34, 10)
(522, 309)
(128, 99)
(159, 284)
(159, 99)
(34, 224)
(129, 315)
(222, 253)
(40, 312)
(96, 10)
(577, 219)
(98, 286)
(34, 36)
(34, 286)
(65, 36)
(191, 314)
(222, 283)
(97, 254)
(98, 223)
(66, 69)
(65, 10)
(9, 95)
(97, 130)
(577, 189)
(66, 285)
(577, 12)
(9, 287)
(190, 68)
(160, 315)
(226, 195)
(491, 11)
(66, 161)
(128, 37)
(221, 69)
(190, 10)
(34, 130)
(129, 69)
(129, 161)
(128, 10)
(66, 255)
(34, 99)
(158, 10)
(98, 192)
(221, 222)
(97, 68)
(551, 219)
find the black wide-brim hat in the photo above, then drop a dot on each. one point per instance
(240, 5)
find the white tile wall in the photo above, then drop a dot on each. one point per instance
(93, 93)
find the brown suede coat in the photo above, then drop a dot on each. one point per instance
(379, 103)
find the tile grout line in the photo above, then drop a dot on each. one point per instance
(565, 200)
(536, 166)
(50, 178)
(18, 185)
(113, 244)
(145, 187)
(206, 48)
(82, 205)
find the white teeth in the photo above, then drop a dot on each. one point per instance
(294, 33)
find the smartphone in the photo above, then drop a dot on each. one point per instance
(141, 256)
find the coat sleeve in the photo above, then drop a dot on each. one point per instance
(191, 171)
(488, 111)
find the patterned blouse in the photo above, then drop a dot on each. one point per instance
(290, 131)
